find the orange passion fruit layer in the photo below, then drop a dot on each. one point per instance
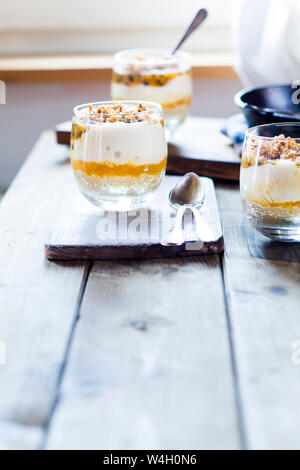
(109, 169)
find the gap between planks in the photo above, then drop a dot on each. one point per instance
(235, 377)
(87, 270)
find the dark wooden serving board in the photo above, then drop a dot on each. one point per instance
(197, 146)
(82, 231)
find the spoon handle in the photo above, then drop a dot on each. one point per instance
(203, 229)
(175, 237)
(197, 20)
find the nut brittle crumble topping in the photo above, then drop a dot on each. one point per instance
(122, 113)
(278, 148)
(112, 113)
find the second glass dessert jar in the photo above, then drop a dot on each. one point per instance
(155, 75)
(270, 180)
(118, 152)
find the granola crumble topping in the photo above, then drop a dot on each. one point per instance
(279, 148)
(122, 113)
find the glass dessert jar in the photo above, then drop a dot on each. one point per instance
(118, 152)
(155, 75)
(270, 180)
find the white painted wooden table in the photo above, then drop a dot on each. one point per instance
(175, 354)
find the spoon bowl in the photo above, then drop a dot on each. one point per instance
(189, 192)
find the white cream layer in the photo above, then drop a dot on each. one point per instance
(174, 90)
(276, 182)
(120, 142)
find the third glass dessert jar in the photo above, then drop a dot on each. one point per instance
(155, 75)
(270, 180)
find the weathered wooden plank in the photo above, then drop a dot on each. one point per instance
(150, 362)
(37, 299)
(263, 301)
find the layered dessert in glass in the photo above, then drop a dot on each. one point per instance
(118, 152)
(155, 75)
(270, 180)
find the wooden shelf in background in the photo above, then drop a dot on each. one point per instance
(97, 67)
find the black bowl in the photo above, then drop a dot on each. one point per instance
(270, 104)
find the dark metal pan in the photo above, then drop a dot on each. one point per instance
(270, 104)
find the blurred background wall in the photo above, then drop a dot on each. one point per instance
(72, 26)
